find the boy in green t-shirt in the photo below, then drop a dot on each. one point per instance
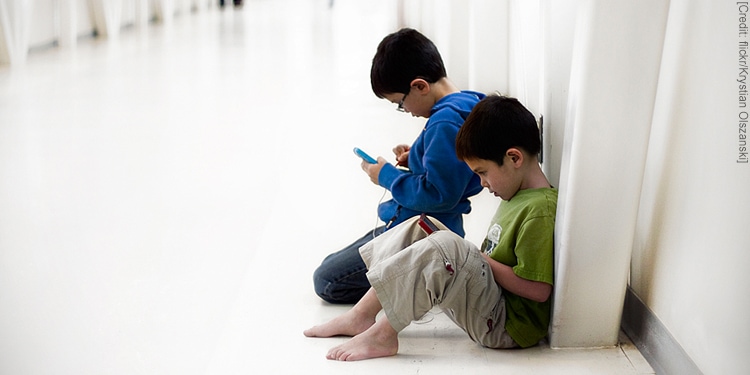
(499, 296)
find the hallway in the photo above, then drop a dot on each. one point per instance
(166, 195)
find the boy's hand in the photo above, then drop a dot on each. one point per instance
(373, 170)
(402, 155)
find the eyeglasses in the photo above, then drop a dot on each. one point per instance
(400, 107)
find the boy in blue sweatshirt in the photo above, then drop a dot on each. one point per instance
(408, 71)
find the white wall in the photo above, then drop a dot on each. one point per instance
(29, 24)
(690, 258)
(673, 195)
(44, 23)
(690, 241)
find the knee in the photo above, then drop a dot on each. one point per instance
(321, 283)
(330, 287)
(450, 243)
(324, 285)
(447, 237)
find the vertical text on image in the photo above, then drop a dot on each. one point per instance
(742, 8)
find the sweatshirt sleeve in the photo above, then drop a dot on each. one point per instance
(437, 181)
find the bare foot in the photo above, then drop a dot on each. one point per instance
(349, 324)
(380, 340)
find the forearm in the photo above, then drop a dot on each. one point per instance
(534, 290)
(437, 181)
(415, 191)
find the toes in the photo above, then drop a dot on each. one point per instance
(334, 353)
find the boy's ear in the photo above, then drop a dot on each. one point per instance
(515, 155)
(420, 85)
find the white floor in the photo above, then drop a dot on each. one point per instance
(165, 197)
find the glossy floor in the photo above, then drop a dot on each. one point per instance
(166, 195)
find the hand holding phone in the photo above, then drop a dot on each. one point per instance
(364, 156)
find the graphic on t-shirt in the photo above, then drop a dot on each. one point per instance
(493, 237)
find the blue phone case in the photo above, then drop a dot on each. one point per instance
(364, 156)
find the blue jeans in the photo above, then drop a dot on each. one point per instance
(341, 277)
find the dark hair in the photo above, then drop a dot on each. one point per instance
(496, 124)
(400, 58)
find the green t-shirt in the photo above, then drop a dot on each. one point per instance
(521, 236)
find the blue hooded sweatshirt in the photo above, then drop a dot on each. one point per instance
(437, 183)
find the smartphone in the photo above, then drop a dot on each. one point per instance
(427, 225)
(364, 156)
